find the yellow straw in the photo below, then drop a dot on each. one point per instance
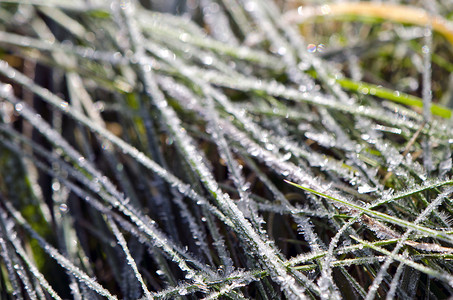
(392, 12)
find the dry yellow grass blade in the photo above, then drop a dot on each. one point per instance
(391, 12)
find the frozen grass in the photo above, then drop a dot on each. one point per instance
(225, 149)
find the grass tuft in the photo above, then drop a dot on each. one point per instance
(218, 149)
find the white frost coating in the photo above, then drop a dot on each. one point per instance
(217, 20)
(33, 269)
(65, 263)
(395, 282)
(267, 253)
(214, 128)
(129, 257)
(6, 253)
(383, 271)
(427, 89)
(117, 200)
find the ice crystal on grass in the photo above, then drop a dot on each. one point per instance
(149, 154)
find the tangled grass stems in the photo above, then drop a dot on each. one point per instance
(150, 150)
